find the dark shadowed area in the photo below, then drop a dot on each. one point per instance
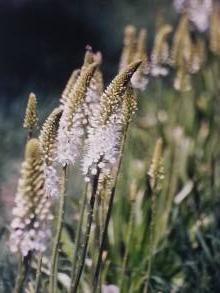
(43, 40)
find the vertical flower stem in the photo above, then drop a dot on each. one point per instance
(53, 270)
(30, 134)
(88, 229)
(78, 237)
(20, 275)
(108, 216)
(23, 266)
(152, 242)
(38, 273)
(129, 235)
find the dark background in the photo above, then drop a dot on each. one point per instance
(42, 41)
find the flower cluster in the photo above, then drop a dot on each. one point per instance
(30, 119)
(48, 140)
(90, 106)
(155, 172)
(187, 55)
(160, 53)
(70, 132)
(102, 145)
(198, 12)
(129, 49)
(30, 228)
(139, 79)
(215, 30)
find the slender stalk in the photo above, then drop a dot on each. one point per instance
(30, 134)
(152, 240)
(20, 275)
(129, 234)
(38, 274)
(54, 258)
(108, 216)
(88, 230)
(78, 237)
(23, 266)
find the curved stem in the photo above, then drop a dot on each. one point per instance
(53, 270)
(78, 237)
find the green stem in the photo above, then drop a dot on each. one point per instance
(38, 274)
(78, 237)
(108, 216)
(23, 266)
(129, 234)
(53, 270)
(88, 230)
(152, 241)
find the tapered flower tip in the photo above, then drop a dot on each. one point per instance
(131, 68)
(112, 97)
(30, 119)
(130, 30)
(88, 58)
(32, 149)
(127, 73)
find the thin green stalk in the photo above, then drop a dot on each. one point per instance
(78, 237)
(54, 258)
(152, 242)
(88, 230)
(20, 275)
(128, 240)
(30, 134)
(23, 266)
(108, 216)
(38, 273)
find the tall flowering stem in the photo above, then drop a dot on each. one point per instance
(78, 237)
(108, 216)
(103, 143)
(95, 181)
(48, 146)
(154, 178)
(129, 107)
(89, 107)
(60, 218)
(38, 273)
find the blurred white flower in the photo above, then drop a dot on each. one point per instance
(198, 12)
(110, 289)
